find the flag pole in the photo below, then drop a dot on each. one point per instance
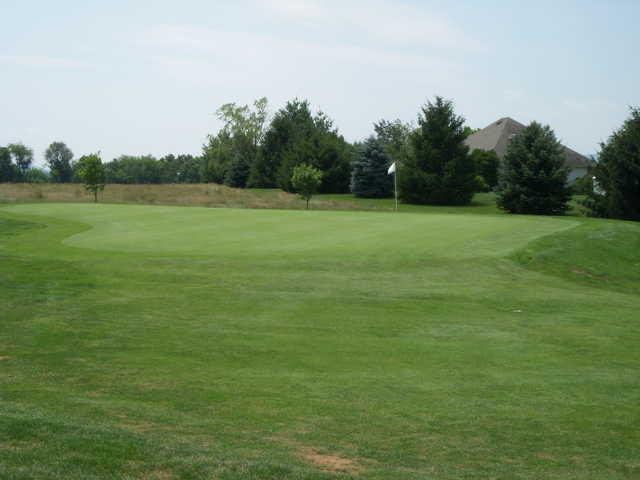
(395, 186)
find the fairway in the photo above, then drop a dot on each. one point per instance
(160, 342)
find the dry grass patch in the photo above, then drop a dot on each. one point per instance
(330, 462)
(204, 194)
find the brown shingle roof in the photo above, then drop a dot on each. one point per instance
(496, 137)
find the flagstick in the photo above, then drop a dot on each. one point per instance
(395, 186)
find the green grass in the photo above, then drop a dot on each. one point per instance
(173, 342)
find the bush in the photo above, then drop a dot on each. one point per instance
(583, 185)
(487, 165)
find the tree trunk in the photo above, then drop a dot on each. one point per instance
(95, 196)
(307, 204)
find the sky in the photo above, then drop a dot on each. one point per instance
(146, 77)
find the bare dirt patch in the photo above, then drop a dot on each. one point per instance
(330, 462)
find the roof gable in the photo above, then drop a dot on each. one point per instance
(497, 136)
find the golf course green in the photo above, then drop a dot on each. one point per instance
(156, 342)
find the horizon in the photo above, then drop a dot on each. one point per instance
(148, 78)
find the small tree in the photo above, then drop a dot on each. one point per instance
(438, 169)
(616, 190)
(369, 178)
(533, 178)
(306, 181)
(92, 173)
(58, 157)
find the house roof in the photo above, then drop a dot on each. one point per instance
(496, 137)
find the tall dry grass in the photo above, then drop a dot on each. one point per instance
(205, 194)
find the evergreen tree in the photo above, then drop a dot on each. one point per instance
(616, 190)
(533, 178)
(296, 136)
(438, 169)
(369, 178)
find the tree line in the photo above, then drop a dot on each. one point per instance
(302, 151)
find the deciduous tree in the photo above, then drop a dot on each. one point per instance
(58, 157)
(91, 171)
(306, 180)
(22, 156)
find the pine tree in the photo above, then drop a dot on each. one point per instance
(616, 191)
(438, 169)
(533, 179)
(369, 178)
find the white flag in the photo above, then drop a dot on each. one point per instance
(392, 169)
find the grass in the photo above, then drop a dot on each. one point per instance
(163, 342)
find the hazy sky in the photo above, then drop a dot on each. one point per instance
(136, 77)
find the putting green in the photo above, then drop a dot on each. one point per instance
(231, 232)
(175, 342)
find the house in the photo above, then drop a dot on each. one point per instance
(496, 137)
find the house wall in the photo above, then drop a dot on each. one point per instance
(576, 173)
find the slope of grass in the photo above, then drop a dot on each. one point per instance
(168, 342)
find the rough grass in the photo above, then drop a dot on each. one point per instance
(166, 342)
(213, 195)
(207, 195)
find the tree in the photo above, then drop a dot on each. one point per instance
(8, 170)
(179, 169)
(394, 135)
(36, 175)
(284, 137)
(616, 192)
(306, 180)
(92, 173)
(296, 136)
(438, 169)
(533, 178)
(217, 155)
(130, 169)
(369, 178)
(58, 157)
(230, 153)
(487, 165)
(22, 157)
